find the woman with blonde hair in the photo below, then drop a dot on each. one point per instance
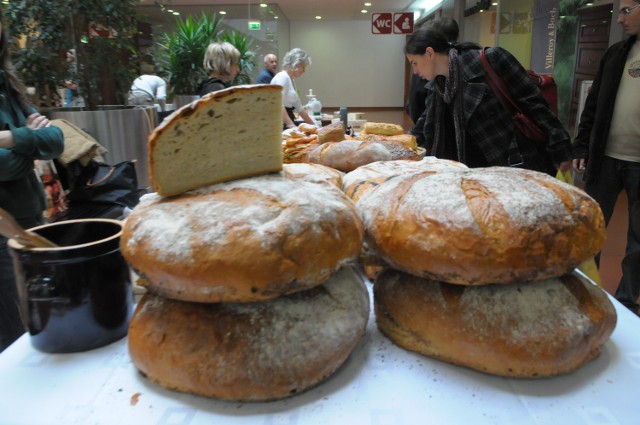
(294, 65)
(221, 61)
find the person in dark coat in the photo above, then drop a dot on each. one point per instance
(464, 121)
(25, 136)
(417, 92)
(269, 70)
(607, 146)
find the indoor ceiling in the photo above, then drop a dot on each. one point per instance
(293, 10)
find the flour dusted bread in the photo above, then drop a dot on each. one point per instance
(527, 330)
(482, 225)
(348, 155)
(250, 239)
(359, 181)
(316, 173)
(232, 133)
(250, 351)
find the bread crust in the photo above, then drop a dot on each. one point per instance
(523, 330)
(481, 226)
(331, 133)
(382, 128)
(250, 351)
(359, 181)
(317, 173)
(246, 240)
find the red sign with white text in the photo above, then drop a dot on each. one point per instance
(381, 23)
(392, 23)
(403, 23)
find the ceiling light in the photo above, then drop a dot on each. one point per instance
(318, 17)
(176, 13)
(367, 4)
(263, 4)
(364, 11)
(223, 12)
(495, 3)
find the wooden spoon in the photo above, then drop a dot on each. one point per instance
(10, 228)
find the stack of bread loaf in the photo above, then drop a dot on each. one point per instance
(478, 267)
(249, 291)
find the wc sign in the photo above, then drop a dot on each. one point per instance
(392, 23)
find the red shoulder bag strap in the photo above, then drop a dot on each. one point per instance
(498, 86)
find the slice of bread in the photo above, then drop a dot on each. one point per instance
(225, 135)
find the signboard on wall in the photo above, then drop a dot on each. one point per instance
(543, 49)
(392, 23)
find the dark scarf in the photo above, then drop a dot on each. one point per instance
(449, 91)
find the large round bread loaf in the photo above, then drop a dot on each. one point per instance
(482, 225)
(359, 181)
(250, 351)
(532, 329)
(246, 240)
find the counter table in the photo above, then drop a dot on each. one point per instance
(379, 384)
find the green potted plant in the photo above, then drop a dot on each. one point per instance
(243, 43)
(182, 54)
(101, 31)
(41, 61)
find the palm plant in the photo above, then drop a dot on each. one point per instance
(183, 52)
(243, 43)
(41, 62)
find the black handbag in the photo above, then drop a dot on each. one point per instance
(108, 184)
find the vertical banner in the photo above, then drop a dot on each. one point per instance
(545, 23)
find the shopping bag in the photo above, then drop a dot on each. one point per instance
(109, 184)
(588, 267)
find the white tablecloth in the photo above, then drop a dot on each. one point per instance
(380, 384)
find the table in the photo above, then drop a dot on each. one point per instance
(379, 384)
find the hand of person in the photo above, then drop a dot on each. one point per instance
(579, 164)
(36, 121)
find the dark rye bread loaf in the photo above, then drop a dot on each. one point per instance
(250, 351)
(525, 330)
(481, 226)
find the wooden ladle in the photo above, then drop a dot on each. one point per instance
(10, 228)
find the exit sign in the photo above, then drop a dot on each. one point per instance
(254, 25)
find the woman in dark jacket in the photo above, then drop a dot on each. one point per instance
(25, 135)
(464, 121)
